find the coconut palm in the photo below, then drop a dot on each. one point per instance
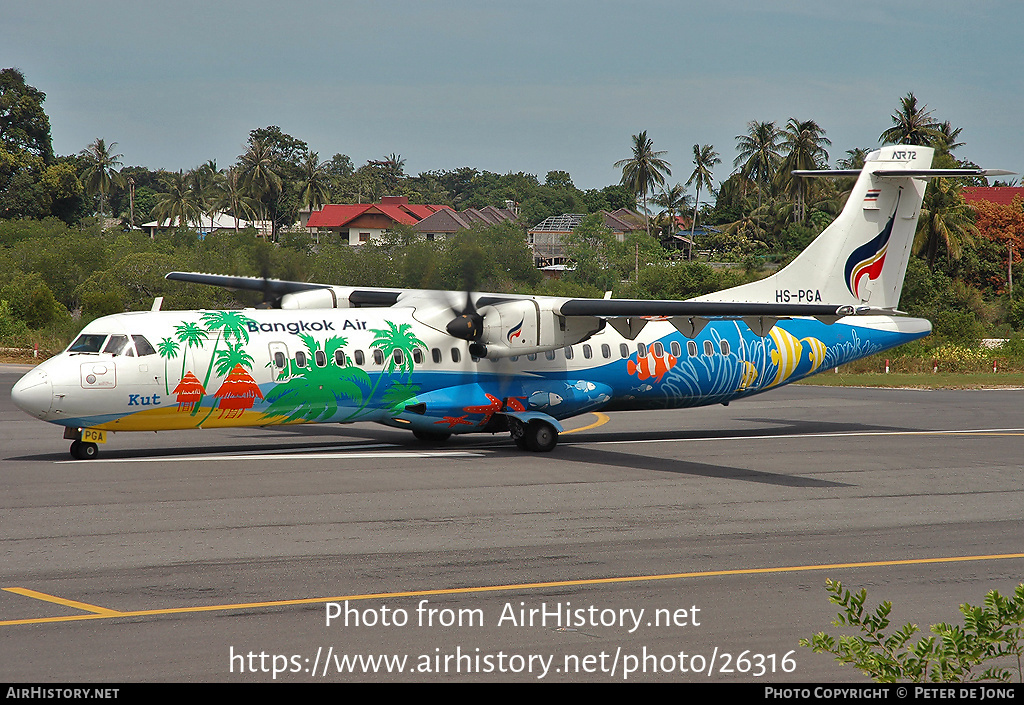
(316, 183)
(945, 219)
(229, 195)
(911, 124)
(673, 200)
(803, 146)
(644, 170)
(704, 159)
(100, 175)
(180, 202)
(759, 154)
(946, 137)
(259, 171)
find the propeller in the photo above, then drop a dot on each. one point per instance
(468, 324)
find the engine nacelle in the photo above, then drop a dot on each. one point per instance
(315, 298)
(524, 326)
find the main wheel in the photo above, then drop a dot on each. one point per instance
(541, 436)
(84, 451)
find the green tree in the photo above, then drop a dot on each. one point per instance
(23, 122)
(758, 154)
(315, 184)
(180, 202)
(803, 146)
(992, 630)
(644, 170)
(945, 220)
(704, 160)
(100, 174)
(912, 124)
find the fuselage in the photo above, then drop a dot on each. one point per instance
(163, 370)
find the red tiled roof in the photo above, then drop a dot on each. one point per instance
(1000, 195)
(339, 215)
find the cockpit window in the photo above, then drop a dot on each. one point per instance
(116, 344)
(142, 346)
(88, 344)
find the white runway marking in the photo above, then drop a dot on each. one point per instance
(837, 434)
(289, 455)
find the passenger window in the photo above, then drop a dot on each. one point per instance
(378, 357)
(116, 344)
(691, 348)
(606, 351)
(320, 357)
(435, 355)
(641, 350)
(300, 358)
(659, 349)
(623, 350)
(724, 347)
(360, 358)
(279, 359)
(709, 348)
(339, 358)
(568, 352)
(142, 346)
(531, 357)
(676, 349)
(550, 354)
(417, 356)
(456, 355)
(399, 357)
(588, 352)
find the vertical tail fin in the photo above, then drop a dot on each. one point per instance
(861, 257)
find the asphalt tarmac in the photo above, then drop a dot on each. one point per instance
(688, 545)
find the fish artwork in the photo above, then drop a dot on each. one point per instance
(651, 366)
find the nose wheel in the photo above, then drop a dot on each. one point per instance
(81, 450)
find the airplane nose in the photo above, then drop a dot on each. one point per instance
(33, 394)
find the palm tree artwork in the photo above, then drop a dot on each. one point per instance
(191, 336)
(167, 348)
(315, 392)
(232, 324)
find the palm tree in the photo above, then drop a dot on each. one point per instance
(180, 202)
(100, 174)
(759, 153)
(316, 183)
(911, 124)
(804, 145)
(946, 219)
(229, 195)
(644, 170)
(673, 200)
(704, 159)
(946, 137)
(258, 167)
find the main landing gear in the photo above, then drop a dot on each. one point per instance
(82, 450)
(537, 435)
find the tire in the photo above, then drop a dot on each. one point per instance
(541, 437)
(84, 451)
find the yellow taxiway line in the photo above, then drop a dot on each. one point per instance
(103, 613)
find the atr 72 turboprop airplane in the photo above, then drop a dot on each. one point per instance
(440, 363)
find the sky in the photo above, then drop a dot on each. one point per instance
(530, 86)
